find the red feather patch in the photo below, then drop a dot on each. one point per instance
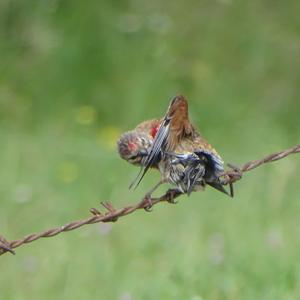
(131, 146)
(154, 130)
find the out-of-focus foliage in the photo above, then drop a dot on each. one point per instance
(75, 74)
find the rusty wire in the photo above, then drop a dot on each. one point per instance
(111, 215)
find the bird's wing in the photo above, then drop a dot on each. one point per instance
(214, 159)
(156, 150)
(214, 168)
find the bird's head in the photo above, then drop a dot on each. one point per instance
(133, 146)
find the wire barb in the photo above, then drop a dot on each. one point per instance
(5, 246)
(112, 215)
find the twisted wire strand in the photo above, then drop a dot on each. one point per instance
(111, 215)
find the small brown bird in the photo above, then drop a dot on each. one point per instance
(173, 146)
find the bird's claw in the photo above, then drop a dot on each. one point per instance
(235, 174)
(171, 195)
(147, 203)
(231, 176)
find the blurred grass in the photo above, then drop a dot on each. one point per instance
(73, 75)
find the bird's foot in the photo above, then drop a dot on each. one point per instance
(231, 176)
(147, 203)
(171, 194)
(235, 174)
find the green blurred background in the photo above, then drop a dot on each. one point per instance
(75, 74)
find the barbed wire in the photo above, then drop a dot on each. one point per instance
(112, 215)
(235, 173)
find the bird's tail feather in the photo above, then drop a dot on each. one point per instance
(218, 186)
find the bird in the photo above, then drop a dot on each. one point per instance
(174, 147)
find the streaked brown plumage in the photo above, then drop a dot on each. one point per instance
(183, 157)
